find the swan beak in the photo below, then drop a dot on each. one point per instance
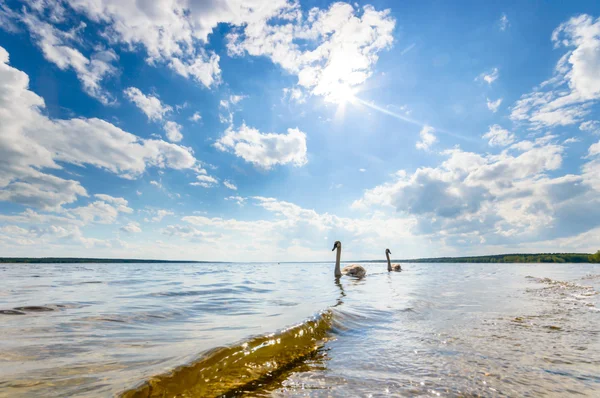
(389, 252)
(334, 246)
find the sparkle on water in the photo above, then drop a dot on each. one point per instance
(291, 330)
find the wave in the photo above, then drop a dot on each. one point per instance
(228, 371)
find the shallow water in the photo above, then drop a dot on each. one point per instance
(291, 330)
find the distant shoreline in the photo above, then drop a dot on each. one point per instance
(499, 258)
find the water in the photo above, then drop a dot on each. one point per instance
(139, 330)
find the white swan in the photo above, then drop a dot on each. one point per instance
(392, 267)
(354, 270)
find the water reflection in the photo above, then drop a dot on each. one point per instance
(481, 330)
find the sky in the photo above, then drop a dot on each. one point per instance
(250, 130)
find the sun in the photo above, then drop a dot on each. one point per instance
(342, 94)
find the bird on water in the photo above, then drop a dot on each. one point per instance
(354, 270)
(392, 267)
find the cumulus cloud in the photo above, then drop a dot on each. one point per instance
(196, 117)
(204, 180)
(489, 77)
(495, 199)
(32, 143)
(265, 150)
(346, 43)
(292, 230)
(173, 131)
(427, 138)
(56, 45)
(230, 185)
(237, 199)
(590, 126)
(497, 136)
(504, 23)
(566, 98)
(152, 107)
(494, 105)
(131, 228)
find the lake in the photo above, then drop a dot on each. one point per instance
(138, 330)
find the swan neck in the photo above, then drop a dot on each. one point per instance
(389, 262)
(338, 257)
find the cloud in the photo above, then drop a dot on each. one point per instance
(494, 105)
(204, 69)
(173, 131)
(292, 230)
(103, 211)
(32, 143)
(158, 214)
(566, 98)
(131, 228)
(427, 138)
(591, 126)
(489, 77)
(230, 185)
(497, 199)
(345, 44)
(497, 136)
(152, 107)
(205, 181)
(504, 23)
(265, 150)
(196, 117)
(237, 199)
(172, 32)
(55, 45)
(594, 150)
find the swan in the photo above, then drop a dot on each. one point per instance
(354, 270)
(392, 267)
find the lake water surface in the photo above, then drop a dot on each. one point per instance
(291, 330)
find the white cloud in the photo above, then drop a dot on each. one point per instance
(504, 23)
(594, 149)
(497, 136)
(590, 126)
(566, 98)
(496, 199)
(237, 199)
(131, 228)
(103, 211)
(31, 143)
(346, 44)
(152, 107)
(196, 117)
(55, 45)
(494, 105)
(294, 94)
(427, 138)
(489, 77)
(203, 69)
(205, 181)
(362, 170)
(265, 150)
(230, 185)
(173, 131)
(158, 214)
(174, 31)
(571, 140)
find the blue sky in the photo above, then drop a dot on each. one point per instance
(251, 130)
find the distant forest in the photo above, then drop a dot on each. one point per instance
(516, 258)
(72, 260)
(499, 258)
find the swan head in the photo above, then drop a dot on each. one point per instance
(336, 245)
(387, 251)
